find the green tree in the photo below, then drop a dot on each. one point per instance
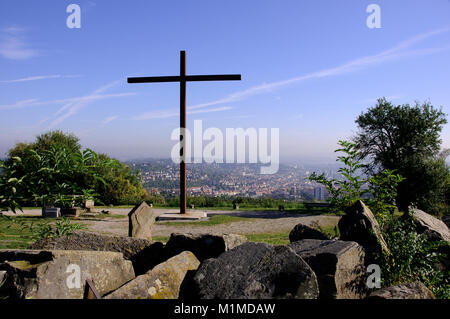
(406, 139)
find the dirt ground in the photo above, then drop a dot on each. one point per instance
(259, 222)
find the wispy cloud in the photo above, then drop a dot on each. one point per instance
(168, 114)
(395, 53)
(73, 107)
(13, 45)
(109, 119)
(73, 100)
(15, 30)
(400, 50)
(40, 77)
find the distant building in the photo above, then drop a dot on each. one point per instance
(293, 190)
(318, 193)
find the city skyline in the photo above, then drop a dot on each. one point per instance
(161, 177)
(308, 68)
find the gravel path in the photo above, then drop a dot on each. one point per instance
(258, 222)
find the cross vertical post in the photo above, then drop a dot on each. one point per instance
(183, 132)
(183, 78)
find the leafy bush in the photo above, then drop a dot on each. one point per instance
(51, 177)
(9, 183)
(344, 192)
(383, 188)
(413, 257)
(61, 228)
(52, 169)
(122, 185)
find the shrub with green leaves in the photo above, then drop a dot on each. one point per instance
(344, 192)
(413, 257)
(50, 177)
(9, 184)
(52, 169)
(383, 188)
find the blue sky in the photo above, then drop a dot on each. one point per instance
(308, 68)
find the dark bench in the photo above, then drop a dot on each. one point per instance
(308, 206)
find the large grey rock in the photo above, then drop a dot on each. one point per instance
(359, 225)
(143, 253)
(338, 265)
(301, 231)
(140, 221)
(203, 246)
(162, 282)
(433, 228)
(45, 274)
(414, 290)
(255, 271)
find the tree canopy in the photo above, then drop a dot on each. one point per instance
(45, 141)
(406, 139)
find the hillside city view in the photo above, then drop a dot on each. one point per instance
(161, 177)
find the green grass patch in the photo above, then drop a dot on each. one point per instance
(163, 239)
(241, 209)
(14, 235)
(105, 216)
(213, 220)
(270, 238)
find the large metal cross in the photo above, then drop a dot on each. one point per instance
(183, 78)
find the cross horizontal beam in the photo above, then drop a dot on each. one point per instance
(187, 78)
